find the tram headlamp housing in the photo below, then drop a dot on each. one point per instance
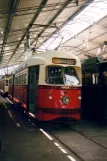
(66, 100)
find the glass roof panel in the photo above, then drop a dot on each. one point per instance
(89, 16)
(7, 70)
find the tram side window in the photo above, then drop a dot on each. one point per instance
(105, 77)
(10, 82)
(20, 80)
(95, 78)
(83, 79)
(16, 80)
(90, 78)
(25, 77)
(6, 82)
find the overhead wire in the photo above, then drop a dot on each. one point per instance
(75, 22)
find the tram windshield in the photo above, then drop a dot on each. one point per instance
(62, 75)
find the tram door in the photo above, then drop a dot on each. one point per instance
(33, 89)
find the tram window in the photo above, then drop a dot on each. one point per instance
(6, 82)
(25, 78)
(96, 78)
(90, 78)
(83, 78)
(20, 79)
(62, 75)
(54, 75)
(105, 77)
(10, 82)
(93, 78)
(15, 81)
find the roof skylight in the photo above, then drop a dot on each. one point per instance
(89, 16)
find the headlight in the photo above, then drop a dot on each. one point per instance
(65, 99)
(79, 97)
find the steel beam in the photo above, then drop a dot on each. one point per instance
(40, 25)
(53, 18)
(13, 7)
(43, 3)
(50, 22)
(71, 17)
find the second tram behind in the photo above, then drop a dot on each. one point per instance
(94, 89)
(48, 85)
(4, 84)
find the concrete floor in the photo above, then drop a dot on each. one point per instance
(86, 147)
(94, 131)
(24, 142)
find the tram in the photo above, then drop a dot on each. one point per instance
(48, 86)
(94, 89)
(4, 84)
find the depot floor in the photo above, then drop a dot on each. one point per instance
(20, 141)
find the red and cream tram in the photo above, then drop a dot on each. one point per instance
(48, 85)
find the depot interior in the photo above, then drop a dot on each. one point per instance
(78, 27)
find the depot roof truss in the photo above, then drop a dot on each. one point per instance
(44, 21)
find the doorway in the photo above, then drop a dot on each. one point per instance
(33, 78)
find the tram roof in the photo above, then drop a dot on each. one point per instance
(51, 54)
(45, 58)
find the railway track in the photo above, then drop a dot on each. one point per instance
(79, 132)
(98, 146)
(78, 157)
(56, 134)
